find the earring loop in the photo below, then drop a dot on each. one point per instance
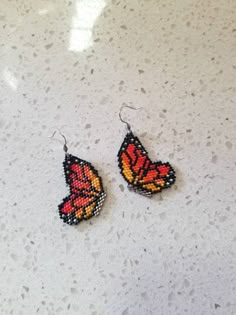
(65, 148)
(122, 120)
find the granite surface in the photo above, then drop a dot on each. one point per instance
(71, 64)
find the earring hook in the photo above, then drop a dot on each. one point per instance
(122, 120)
(65, 148)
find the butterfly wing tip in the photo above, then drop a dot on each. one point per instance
(140, 191)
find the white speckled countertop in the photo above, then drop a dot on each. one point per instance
(71, 64)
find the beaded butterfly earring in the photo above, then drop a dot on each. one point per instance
(86, 190)
(142, 175)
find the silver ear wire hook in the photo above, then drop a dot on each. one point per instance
(65, 148)
(122, 120)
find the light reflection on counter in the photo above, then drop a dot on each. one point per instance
(86, 14)
(10, 79)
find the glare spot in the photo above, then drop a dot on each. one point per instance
(86, 14)
(42, 11)
(10, 79)
(47, 9)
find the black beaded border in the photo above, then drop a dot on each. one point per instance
(138, 188)
(70, 218)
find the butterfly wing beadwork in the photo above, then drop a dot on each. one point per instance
(142, 175)
(86, 191)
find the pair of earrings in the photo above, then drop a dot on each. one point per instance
(86, 189)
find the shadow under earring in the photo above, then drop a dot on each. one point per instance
(86, 190)
(142, 175)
